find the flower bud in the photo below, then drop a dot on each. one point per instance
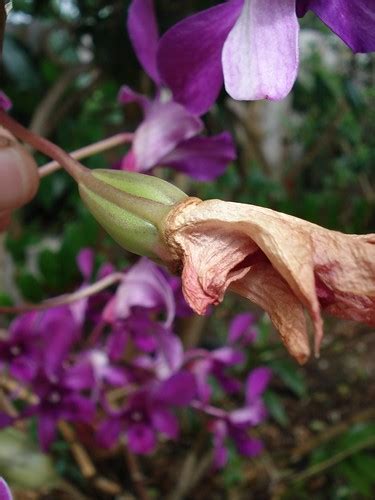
(131, 207)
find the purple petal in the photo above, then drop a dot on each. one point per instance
(46, 431)
(171, 352)
(178, 390)
(239, 325)
(144, 285)
(166, 125)
(249, 447)
(80, 376)
(60, 331)
(256, 383)
(85, 262)
(260, 55)
(189, 55)
(143, 33)
(165, 421)
(24, 369)
(127, 95)
(228, 356)
(249, 415)
(203, 158)
(220, 451)
(144, 341)
(109, 432)
(5, 493)
(141, 438)
(352, 20)
(5, 102)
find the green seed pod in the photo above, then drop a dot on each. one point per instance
(130, 206)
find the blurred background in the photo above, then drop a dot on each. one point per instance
(311, 155)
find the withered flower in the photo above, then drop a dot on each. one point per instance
(283, 264)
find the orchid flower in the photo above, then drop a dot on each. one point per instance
(169, 134)
(253, 46)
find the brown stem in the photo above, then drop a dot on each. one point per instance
(136, 474)
(92, 149)
(73, 167)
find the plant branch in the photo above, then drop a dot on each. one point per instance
(136, 474)
(85, 152)
(65, 299)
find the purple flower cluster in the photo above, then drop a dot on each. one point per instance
(251, 46)
(169, 135)
(113, 362)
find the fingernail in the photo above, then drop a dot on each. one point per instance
(19, 179)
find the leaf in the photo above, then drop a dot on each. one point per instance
(22, 464)
(291, 376)
(276, 408)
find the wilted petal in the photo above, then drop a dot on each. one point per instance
(265, 287)
(189, 56)
(141, 438)
(203, 158)
(260, 55)
(282, 263)
(143, 32)
(256, 383)
(352, 20)
(165, 126)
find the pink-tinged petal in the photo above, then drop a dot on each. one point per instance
(239, 325)
(203, 158)
(280, 262)
(260, 55)
(166, 125)
(352, 20)
(141, 438)
(165, 421)
(5, 493)
(256, 383)
(143, 33)
(189, 56)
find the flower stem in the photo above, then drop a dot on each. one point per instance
(65, 299)
(72, 166)
(92, 149)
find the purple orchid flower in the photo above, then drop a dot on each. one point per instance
(19, 352)
(148, 412)
(169, 133)
(253, 46)
(242, 329)
(205, 364)
(235, 424)
(5, 493)
(60, 397)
